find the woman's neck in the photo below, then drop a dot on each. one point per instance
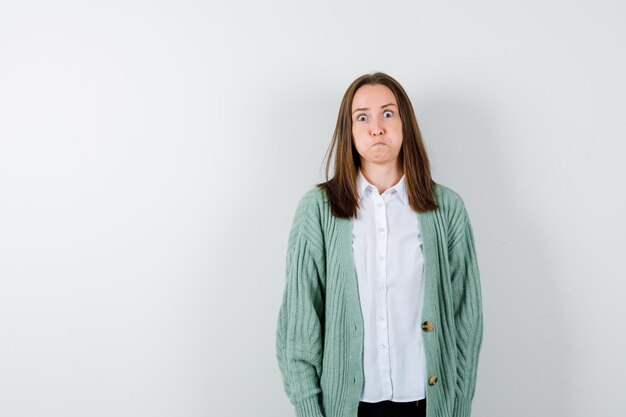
(382, 176)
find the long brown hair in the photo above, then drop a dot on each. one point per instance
(342, 188)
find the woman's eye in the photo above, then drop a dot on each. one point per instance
(388, 111)
(359, 117)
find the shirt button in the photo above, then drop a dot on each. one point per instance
(381, 318)
(382, 229)
(381, 287)
(383, 346)
(380, 258)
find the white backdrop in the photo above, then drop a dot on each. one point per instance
(152, 155)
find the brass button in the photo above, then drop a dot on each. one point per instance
(432, 380)
(427, 326)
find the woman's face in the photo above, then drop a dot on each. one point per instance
(376, 124)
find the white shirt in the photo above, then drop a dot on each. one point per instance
(389, 263)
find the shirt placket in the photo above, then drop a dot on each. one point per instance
(382, 329)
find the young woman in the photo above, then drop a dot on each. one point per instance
(381, 313)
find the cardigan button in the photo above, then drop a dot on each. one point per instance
(427, 326)
(432, 380)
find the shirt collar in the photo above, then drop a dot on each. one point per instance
(365, 187)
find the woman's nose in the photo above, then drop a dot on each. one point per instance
(376, 128)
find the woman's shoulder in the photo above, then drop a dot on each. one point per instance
(445, 194)
(313, 196)
(450, 201)
(316, 196)
(310, 203)
(307, 220)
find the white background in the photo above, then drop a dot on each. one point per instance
(152, 155)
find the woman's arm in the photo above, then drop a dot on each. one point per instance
(468, 316)
(299, 334)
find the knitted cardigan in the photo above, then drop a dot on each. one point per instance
(319, 336)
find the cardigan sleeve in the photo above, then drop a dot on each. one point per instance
(468, 318)
(299, 334)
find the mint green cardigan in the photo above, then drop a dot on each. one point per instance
(319, 336)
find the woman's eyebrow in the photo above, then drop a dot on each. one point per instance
(367, 108)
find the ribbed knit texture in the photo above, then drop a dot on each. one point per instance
(319, 336)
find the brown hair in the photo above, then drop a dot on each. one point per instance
(342, 188)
